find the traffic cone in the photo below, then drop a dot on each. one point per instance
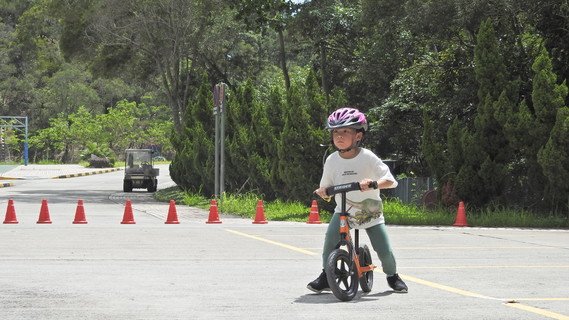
(44, 213)
(314, 217)
(260, 214)
(213, 214)
(10, 213)
(460, 220)
(172, 214)
(128, 217)
(80, 213)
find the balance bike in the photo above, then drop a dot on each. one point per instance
(344, 269)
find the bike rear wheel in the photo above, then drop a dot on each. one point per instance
(366, 281)
(342, 275)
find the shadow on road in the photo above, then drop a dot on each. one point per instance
(328, 297)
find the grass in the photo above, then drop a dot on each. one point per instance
(396, 213)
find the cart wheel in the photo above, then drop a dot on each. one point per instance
(342, 275)
(153, 187)
(366, 281)
(127, 186)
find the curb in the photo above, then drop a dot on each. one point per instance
(86, 173)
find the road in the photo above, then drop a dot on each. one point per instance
(239, 270)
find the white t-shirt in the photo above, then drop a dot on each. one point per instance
(365, 208)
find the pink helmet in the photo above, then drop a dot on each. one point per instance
(347, 118)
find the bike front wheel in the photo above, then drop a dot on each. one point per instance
(342, 275)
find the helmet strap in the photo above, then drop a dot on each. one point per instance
(350, 148)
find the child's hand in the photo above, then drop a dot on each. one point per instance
(364, 184)
(321, 192)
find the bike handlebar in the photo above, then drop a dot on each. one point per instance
(347, 187)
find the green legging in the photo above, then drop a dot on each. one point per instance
(379, 241)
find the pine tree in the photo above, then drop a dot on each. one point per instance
(554, 159)
(193, 165)
(315, 100)
(275, 113)
(468, 182)
(300, 165)
(547, 98)
(260, 157)
(240, 140)
(433, 150)
(454, 147)
(549, 144)
(484, 179)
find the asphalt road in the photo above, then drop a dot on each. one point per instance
(239, 270)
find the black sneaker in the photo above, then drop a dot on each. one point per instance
(396, 283)
(320, 284)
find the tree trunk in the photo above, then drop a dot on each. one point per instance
(283, 59)
(324, 68)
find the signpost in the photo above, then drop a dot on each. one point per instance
(219, 106)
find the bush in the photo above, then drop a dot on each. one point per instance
(98, 162)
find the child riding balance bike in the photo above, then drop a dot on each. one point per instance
(364, 208)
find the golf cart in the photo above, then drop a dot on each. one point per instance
(138, 171)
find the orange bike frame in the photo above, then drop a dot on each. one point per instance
(346, 236)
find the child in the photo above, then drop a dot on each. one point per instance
(353, 163)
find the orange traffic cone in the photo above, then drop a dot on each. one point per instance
(80, 213)
(128, 217)
(10, 213)
(460, 220)
(213, 214)
(44, 213)
(314, 217)
(172, 214)
(260, 214)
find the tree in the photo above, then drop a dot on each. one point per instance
(298, 151)
(260, 15)
(484, 179)
(169, 33)
(331, 32)
(548, 98)
(381, 53)
(554, 159)
(244, 146)
(433, 150)
(193, 165)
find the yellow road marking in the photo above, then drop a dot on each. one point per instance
(446, 288)
(487, 267)
(280, 244)
(539, 299)
(473, 248)
(541, 312)
(510, 303)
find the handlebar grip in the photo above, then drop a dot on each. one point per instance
(347, 187)
(343, 188)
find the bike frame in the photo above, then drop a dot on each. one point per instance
(346, 239)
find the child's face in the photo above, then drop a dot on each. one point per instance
(345, 137)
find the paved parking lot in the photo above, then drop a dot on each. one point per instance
(236, 269)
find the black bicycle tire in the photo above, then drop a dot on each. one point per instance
(346, 275)
(366, 281)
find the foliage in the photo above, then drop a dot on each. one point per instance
(489, 76)
(396, 213)
(554, 159)
(192, 167)
(77, 135)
